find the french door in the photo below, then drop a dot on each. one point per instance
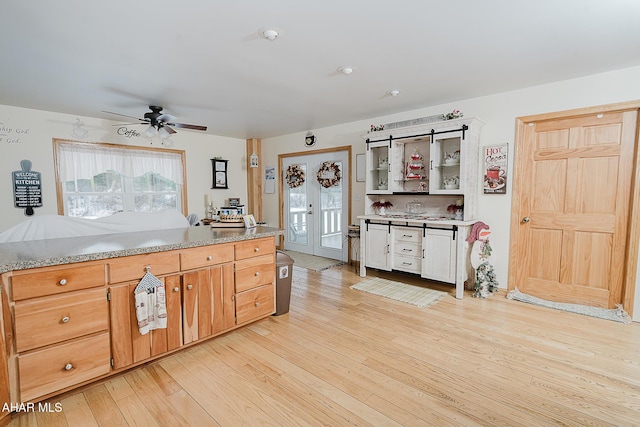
(316, 217)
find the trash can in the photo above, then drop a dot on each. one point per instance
(284, 269)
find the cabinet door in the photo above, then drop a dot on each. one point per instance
(378, 179)
(377, 247)
(223, 294)
(447, 164)
(196, 300)
(439, 262)
(128, 346)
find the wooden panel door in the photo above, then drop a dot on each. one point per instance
(572, 190)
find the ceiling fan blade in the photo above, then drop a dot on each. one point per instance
(186, 126)
(169, 129)
(124, 115)
(166, 118)
(127, 124)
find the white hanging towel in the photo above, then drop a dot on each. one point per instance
(151, 304)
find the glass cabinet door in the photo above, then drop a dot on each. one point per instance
(378, 170)
(446, 175)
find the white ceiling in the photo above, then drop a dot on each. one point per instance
(205, 62)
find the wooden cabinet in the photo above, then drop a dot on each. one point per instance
(199, 303)
(377, 246)
(440, 255)
(61, 324)
(255, 279)
(67, 325)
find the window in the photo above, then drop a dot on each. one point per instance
(97, 180)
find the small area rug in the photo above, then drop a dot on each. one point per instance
(411, 294)
(617, 315)
(312, 262)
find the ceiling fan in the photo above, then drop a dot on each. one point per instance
(160, 122)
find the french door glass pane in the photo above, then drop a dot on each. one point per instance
(298, 203)
(331, 215)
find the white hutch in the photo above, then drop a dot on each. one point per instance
(421, 170)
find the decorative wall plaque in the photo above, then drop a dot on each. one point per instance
(27, 188)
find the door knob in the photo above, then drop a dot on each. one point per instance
(310, 213)
(525, 220)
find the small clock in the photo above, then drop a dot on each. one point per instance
(310, 141)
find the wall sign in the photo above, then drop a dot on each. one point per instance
(495, 169)
(27, 188)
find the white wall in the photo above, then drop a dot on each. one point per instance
(499, 113)
(28, 134)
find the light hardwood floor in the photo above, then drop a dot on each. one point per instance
(345, 357)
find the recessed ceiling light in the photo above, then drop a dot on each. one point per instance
(345, 70)
(270, 34)
(394, 92)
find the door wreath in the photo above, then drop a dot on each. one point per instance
(329, 174)
(295, 176)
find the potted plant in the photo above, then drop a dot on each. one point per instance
(381, 205)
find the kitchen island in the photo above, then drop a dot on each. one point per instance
(68, 304)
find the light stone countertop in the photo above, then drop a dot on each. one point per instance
(417, 219)
(43, 253)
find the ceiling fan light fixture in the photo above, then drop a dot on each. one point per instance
(150, 132)
(163, 132)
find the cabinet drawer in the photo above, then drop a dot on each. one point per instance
(408, 264)
(51, 280)
(50, 320)
(54, 368)
(256, 303)
(254, 276)
(206, 255)
(255, 247)
(134, 267)
(407, 235)
(408, 249)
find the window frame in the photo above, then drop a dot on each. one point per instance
(104, 145)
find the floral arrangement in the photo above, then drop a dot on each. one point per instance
(459, 204)
(375, 128)
(455, 114)
(382, 204)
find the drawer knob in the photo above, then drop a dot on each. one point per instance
(257, 273)
(65, 319)
(189, 287)
(176, 289)
(256, 249)
(62, 282)
(406, 235)
(209, 258)
(407, 250)
(68, 367)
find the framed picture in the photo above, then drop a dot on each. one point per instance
(495, 169)
(234, 201)
(250, 221)
(219, 173)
